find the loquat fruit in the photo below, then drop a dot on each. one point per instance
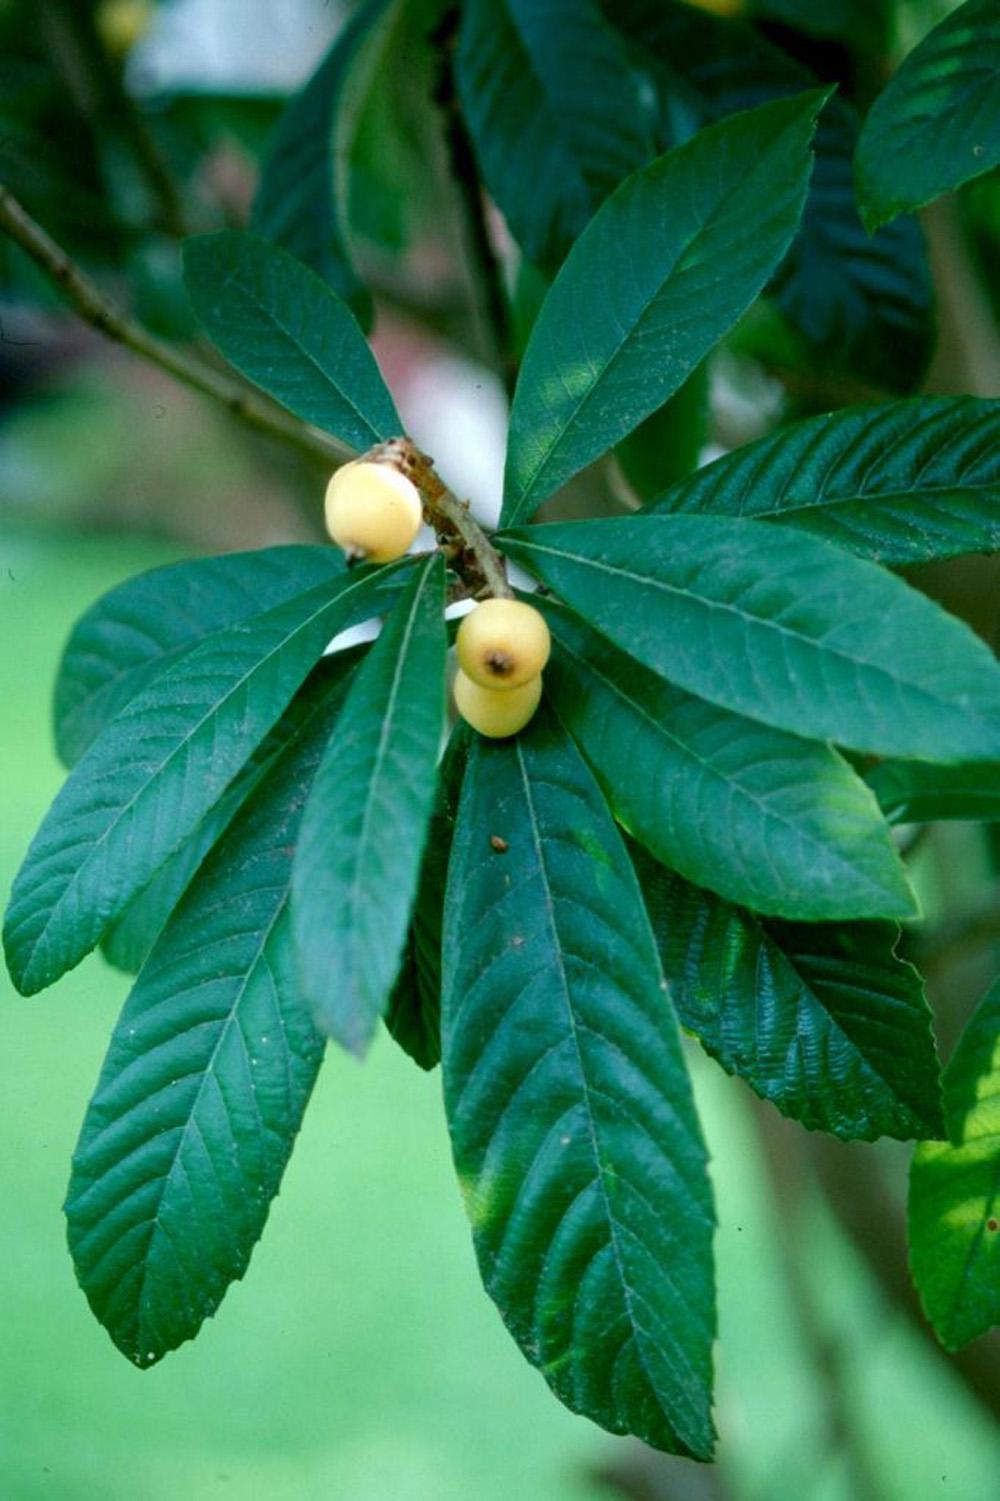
(503, 643)
(372, 511)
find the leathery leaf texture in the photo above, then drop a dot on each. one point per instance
(208, 1074)
(573, 1128)
(363, 834)
(778, 626)
(779, 823)
(824, 1020)
(149, 778)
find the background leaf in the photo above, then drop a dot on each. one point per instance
(144, 625)
(780, 627)
(279, 324)
(937, 122)
(572, 1124)
(556, 114)
(824, 1021)
(299, 199)
(365, 826)
(863, 304)
(919, 792)
(899, 482)
(779, 823)
(149, 778)
(414, 1014)
(662, 271)
(954, 1211)
(203, 1089)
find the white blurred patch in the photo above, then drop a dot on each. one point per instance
(244, 47)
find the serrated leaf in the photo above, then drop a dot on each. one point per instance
(299, 199)
(663, 270)
(141, 627)
(824, 1021)
(919, 792)
(864, 304)
(572, 1124)
(365, 825)
(778, 626)
(204, 1086)
(130, 938)
(150, 777)
(936, 124)
(778, 823)
(414, 1014)
(954, 1208)
(555, 112)
(900, 482)
(283, 327)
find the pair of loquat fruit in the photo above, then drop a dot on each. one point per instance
(373, 511)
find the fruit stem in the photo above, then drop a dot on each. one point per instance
(461, 538)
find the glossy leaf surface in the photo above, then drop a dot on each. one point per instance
(780, 627)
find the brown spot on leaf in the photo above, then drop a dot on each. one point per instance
(500, 845)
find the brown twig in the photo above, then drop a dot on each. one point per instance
(94, 308)
(460, 535)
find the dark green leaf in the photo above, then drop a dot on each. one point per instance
(919, 792)
(365, 826)
(204, 1086)
(127, 943)
(140, 628)
(862, 22)
(662, 271)
(899, 482)
(824, 1021)
(573, 1129)
(281, 325)
(776, 822)
(780, 627)
(954, 1214)
(299, 200)
(147, 781)
(864, 304)
(937, 124)
(414, 1014)
(556, 114)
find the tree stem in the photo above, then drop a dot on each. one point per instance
(94, 308)
(460, 535)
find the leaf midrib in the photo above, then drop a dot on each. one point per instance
(661, 728)
(529, 489)
(755, 621)
(589, 1115)
(234, 278)
(98, 843)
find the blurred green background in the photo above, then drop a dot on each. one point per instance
(360, 1360)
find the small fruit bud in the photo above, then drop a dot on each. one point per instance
(503, 643)
(372, 511)
(496, 712)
